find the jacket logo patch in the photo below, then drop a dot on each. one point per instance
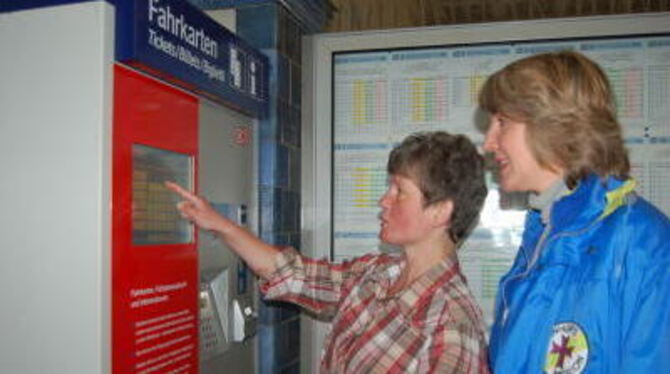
(568, 350)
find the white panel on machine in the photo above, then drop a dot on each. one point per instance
(55, 142)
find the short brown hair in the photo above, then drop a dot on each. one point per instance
(568, 106)
(445, 167)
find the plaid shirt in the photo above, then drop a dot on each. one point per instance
(433, 326)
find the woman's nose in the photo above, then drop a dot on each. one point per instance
(383, 201)
(491, 139)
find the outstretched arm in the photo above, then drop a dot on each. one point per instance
(259, 255)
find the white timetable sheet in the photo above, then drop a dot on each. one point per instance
(382, 96)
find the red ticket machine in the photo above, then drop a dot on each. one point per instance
(155, 261)
(102, 274)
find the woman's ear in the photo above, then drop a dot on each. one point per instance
(442, 213)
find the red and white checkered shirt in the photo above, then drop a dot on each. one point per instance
(433, 326)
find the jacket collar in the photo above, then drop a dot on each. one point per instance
(543, 202)
(592, 199)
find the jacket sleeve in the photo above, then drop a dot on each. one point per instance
(646, 335)
(316, 285)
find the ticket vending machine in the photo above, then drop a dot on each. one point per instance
(227, 288)
(101, 103)
(155, 259)
(181, 301)
(180, 298)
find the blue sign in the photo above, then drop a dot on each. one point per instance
(176, 41)
(221, 4)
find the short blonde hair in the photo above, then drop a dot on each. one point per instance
(568, 106)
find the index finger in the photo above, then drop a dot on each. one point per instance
(181, 191)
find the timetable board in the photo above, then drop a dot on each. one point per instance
(379, 97)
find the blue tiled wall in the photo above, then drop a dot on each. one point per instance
(271, 28)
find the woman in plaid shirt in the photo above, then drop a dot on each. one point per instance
(410, 312)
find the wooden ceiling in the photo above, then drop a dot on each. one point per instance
(357, 15)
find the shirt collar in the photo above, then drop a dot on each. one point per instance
(544, 201)
(419, 294)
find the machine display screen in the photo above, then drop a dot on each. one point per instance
(155, 217)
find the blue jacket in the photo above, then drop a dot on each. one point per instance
(597, 297)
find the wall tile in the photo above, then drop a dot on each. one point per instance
(282, 162)
(290, 338)
(290, 132)
(296, 84)
(266, 348)
(292, 368)
(258, 25)
(269, 126)
(295, 170)
(271, 28)
(268, 164)
(267, 212)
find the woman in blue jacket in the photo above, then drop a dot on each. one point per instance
(589, 291)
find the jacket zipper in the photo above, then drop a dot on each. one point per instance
(530, 263)
(543, 242)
